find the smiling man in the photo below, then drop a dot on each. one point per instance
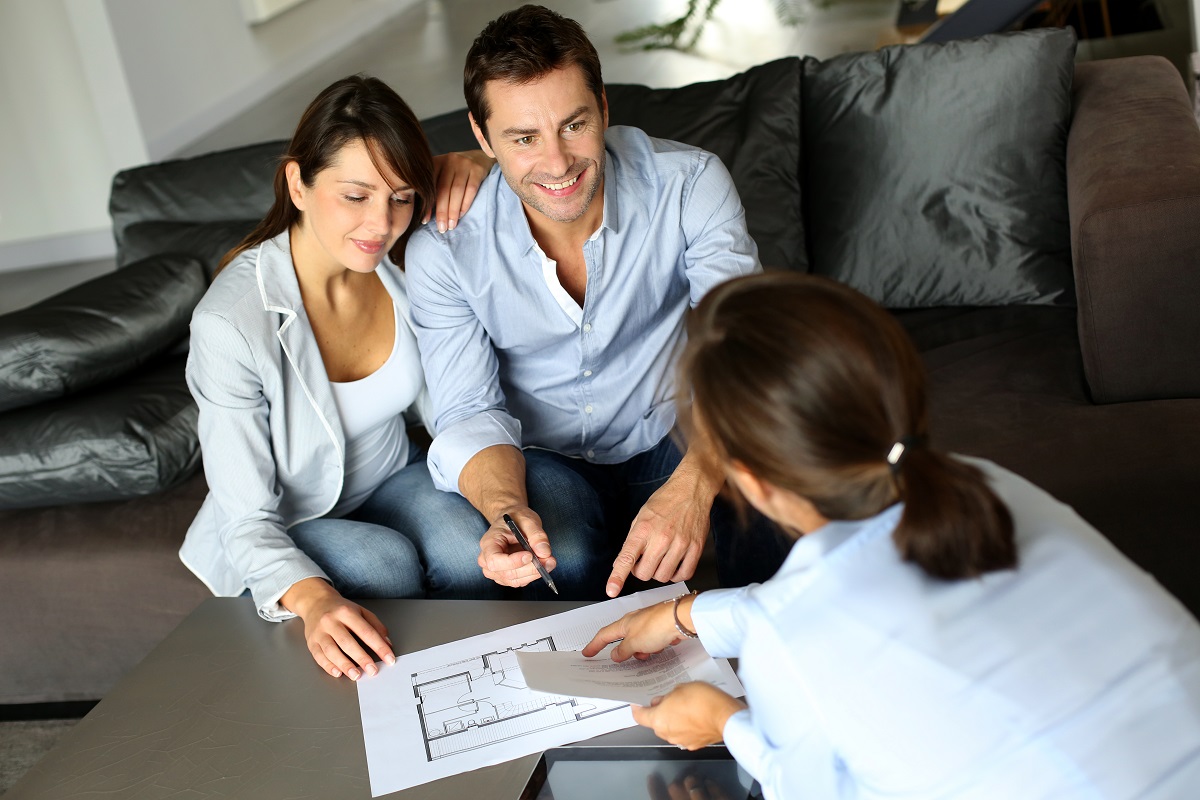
(549, 320)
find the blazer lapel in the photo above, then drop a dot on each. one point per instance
(281, 294)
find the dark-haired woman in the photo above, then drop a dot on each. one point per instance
(303, 361)
(942, 628)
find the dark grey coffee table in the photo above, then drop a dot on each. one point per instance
(231, 706)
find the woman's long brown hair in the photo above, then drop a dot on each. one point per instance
(809, 384)
(357, 108)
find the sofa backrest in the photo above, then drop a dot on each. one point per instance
(206, 204)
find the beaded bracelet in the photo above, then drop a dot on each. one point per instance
(675, 612)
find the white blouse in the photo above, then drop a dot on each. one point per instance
(371, 409)
(1075, 675)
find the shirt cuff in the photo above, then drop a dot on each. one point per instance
(453, 447)
(713, 614)
(746, 744)
(268, 591)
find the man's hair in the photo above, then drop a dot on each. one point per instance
(521, 46)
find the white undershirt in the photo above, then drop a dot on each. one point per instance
(377, 444)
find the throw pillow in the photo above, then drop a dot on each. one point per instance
(126, 439)
(936, 174)
(752, 122)
(98, 330)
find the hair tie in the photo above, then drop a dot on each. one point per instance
(899, 451)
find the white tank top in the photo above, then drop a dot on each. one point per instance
(377, 445)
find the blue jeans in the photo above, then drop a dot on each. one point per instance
(587, 510)
(407, 540)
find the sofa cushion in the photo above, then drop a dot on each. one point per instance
(129, 438)
(207, 241)
(752, 122)
(98, 330)
(234, 184)
(935, 173)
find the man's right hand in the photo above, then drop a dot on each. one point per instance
(501, 556)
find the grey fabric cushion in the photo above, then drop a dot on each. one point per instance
(98, 330)
(935, 174)
(132, 437)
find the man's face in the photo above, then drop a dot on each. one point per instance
(548, 138)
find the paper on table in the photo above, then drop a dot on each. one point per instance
(631, 681)
(465, 705)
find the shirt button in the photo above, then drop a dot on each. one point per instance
(588, 409)
(587, 327)
(591, 453)
(587, 373)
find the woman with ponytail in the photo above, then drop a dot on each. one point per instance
(941, 628)
(302, 361)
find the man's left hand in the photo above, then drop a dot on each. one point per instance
(668, 534)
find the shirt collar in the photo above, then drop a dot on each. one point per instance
(815, 546)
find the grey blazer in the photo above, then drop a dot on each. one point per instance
(270, 434)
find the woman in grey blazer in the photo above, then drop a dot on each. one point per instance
(302, 361)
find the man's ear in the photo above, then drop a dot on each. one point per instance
(604, 108)
(291, 171)
(479, 136)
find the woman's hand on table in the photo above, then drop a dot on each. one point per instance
(330, 624)
(692, 715)
(456, 178)
(643, 632)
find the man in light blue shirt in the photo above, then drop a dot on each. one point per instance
(549, 319)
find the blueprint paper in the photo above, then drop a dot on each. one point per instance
(631, 681)
(464, 705)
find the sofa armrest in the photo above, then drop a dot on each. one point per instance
(1133, 188)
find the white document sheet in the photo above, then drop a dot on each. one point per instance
(465, 705)
(631, 681)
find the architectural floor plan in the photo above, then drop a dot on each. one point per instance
(465, 705)
(484, 700)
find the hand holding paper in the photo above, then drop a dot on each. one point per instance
(634, 681)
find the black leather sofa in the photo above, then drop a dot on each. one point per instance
(1090, 389)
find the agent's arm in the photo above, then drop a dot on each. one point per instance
(240, 470)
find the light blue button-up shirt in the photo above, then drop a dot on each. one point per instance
(508, 355)
(1073, 676)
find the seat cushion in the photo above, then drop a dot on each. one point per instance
(1007, 384)
(935, 174)
(97, 331)
(131, 437)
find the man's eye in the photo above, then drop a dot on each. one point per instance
(574, 126)
(525, 140)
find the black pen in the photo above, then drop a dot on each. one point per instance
(512, 526)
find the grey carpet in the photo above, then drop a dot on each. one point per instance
(24, 742)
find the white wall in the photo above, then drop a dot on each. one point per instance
(193, 64)
(57, 156)
(89, 87)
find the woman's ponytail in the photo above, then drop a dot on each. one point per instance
(816, 390)
(953, 526)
